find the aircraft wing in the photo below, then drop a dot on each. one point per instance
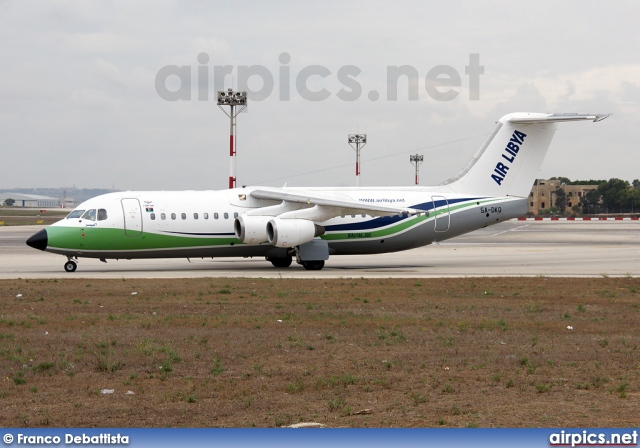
(340, 207)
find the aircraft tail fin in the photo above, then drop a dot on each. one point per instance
(507, 162)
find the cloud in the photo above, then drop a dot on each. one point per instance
(93, 99)
(77, 87)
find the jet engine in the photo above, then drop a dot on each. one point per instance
(251, 229)
(292, 232)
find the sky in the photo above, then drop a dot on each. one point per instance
(122, 94)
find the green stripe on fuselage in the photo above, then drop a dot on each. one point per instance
(405, 223)
(402, 225)
(94, 238)
(114, 239)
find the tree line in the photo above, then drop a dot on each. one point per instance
(611, 196)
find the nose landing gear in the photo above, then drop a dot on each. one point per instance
(70, 265)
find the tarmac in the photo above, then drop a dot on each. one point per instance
(514, 248)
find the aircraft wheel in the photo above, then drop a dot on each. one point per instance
(280, 262)
(313, 265)
(70, 266)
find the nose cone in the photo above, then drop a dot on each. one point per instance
(39, 240)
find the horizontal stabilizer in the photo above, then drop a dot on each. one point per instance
(547, 118)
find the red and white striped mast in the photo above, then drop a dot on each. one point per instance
(417, 161)
(359, 140)
(232, 99)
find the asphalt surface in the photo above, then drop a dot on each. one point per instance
(514, 248)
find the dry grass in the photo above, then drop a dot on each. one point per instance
(345, 353)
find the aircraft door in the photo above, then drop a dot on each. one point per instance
(132, 217)
(442, 216)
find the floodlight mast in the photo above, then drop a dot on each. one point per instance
(417, 161)
(359, 140)
(232, 99)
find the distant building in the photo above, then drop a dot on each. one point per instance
(30, 200)
(542, 197)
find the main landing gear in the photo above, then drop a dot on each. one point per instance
(284, 262)
(70, 265)
(311, 255)
(313, 265)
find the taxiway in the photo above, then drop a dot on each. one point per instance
(513, 248)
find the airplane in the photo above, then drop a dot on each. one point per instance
(312, 224)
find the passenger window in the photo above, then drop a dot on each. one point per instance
(183, 216)
(163, 216)
(206, 215)
(75, 214)
(173, 216)
(235, 215)
(215, 215)
(226, 215)
(90, 215)
(195, 216)
(102, 214)
(153, 216)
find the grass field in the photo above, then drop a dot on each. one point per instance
(11, 216)
(344, 353)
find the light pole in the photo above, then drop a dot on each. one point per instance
(417, 161)
(232, 99)
(359, 140)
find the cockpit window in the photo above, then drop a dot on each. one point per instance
(75, 214)
(90, 215)
(102, 214)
